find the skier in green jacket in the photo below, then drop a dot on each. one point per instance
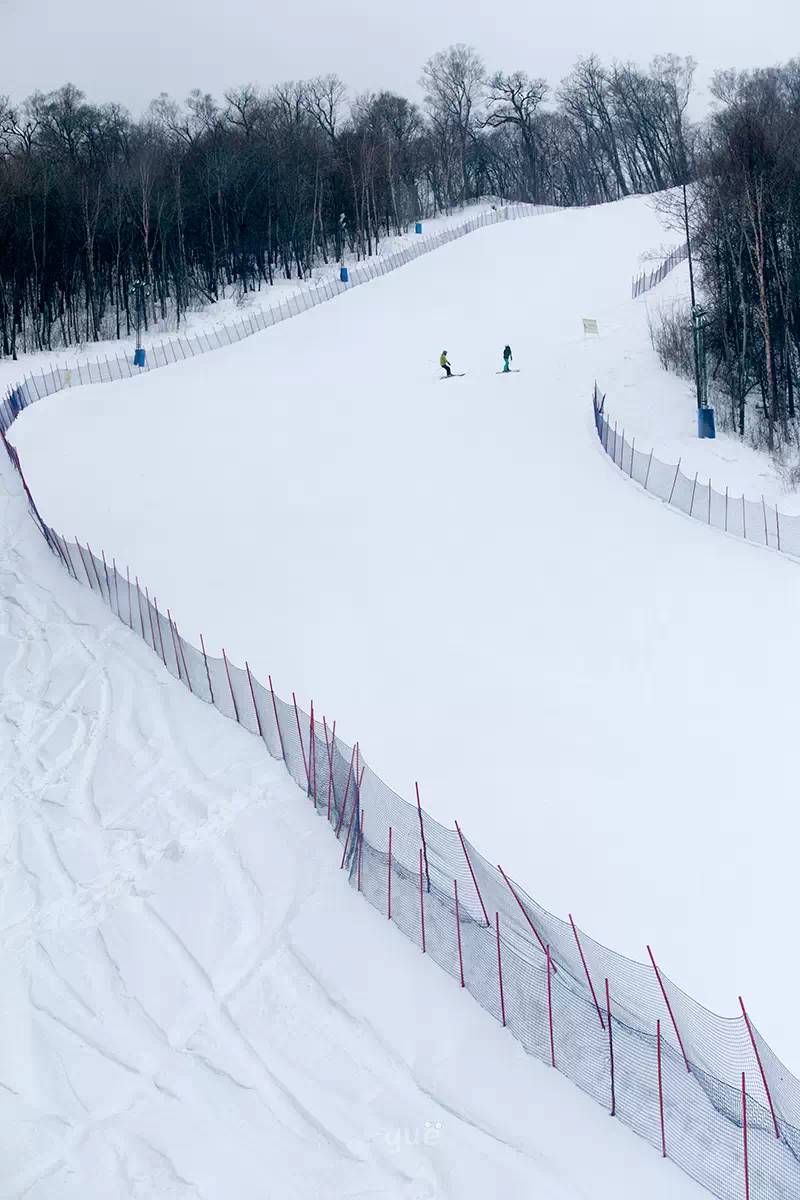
(444, 363)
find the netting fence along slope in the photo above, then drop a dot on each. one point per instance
(649, 279)
(705, 1091)
(177, 349)
(753, 520)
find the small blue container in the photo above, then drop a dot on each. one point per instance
(138, 357)
(418, 227)
(343, 275)
(706, 425)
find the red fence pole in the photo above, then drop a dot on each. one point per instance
(472, 873)
(500, 968)
(611, 1051)
(302, 747)
(230, 684)
(669, 1008)
(421, 901)
(586, 969)
(660, 1091)
(524, 912)
(422, 835)
(389, 878)
(744, 1139)
(761, 1068)
(253, 694)
(458, 934)
(277, 722)
(550, 1010)
(312, 755)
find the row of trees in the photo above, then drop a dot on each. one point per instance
(746, 234)
(194, 199)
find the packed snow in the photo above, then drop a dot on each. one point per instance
(194, 1004)
(591, 683)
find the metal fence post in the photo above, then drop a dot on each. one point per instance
(586, 971)
(275, 711)
(744, 1139)
(253, 694)
(611, 1051)
(760, 1067)
(230, 685)
(346, 791)
(208, 673)
(669, 1008)
(421, 901)
(422, 835)
(458, 933)
(550, 1007)
(660, 1091)
(303, 749)
(500, 969)
(472, 873)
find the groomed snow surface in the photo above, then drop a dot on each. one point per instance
(600, 690)
(590, 682)
(194, 1004)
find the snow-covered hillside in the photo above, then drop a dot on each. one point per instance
(588, 681)
(193, 1002)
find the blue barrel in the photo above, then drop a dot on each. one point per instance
(138, 357)
(343, 275)
(706, 425)
(418, 227)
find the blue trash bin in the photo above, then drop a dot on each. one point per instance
(418, 227)
(138, 357)
(706, 425)
(343, 275)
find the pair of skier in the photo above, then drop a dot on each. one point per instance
(446, 366)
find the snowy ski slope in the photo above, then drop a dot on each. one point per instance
(589, 682)
(193, 1002)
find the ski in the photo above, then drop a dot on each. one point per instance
(454, 375)
(511, 371)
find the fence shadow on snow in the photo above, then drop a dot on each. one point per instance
(703, 1090)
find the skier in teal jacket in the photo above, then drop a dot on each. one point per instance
(507, 357)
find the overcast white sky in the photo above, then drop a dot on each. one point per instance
(130, 52)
